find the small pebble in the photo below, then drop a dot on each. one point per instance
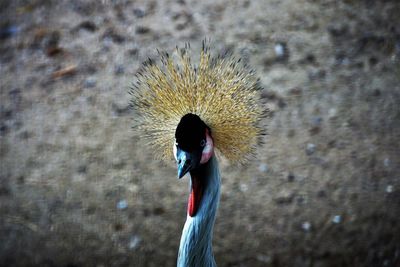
(120, 109)
(117, 163)
(386, 162)
(284, 197)
(9, 31)
(332, 113)
(301, 200)
(87, 25)
(297, 91)
(119, 69)
(337, 219)
(113, 35)
(139, 13)
(376, 92)
(244, 187)
(279, 50)
(263, 258)
(310, 149)
(263, 167)
(82, 169)
(316, 74)
(122, 204)
(90, 82)
(306, 226)
(291, 177)
(346, 61)
(134, 242)
(321, 193)
(133, 188)
(107, 42)
(316, 121)
(389, 189)
(142, 30)
(3, 129)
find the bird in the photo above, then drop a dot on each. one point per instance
(197, 113)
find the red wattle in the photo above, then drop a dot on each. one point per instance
(195, 197)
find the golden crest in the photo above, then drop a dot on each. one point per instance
(222, 92)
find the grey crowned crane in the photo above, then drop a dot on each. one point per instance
(186, 111)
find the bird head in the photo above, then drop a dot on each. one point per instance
(194, 145)
(181, 104)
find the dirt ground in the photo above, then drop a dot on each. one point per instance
(79, 188)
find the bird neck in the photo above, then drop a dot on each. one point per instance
(196, 242)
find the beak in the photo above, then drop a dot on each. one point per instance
(186, 162)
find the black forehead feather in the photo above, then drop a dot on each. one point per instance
(189, 132)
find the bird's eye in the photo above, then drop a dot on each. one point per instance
(202, 143)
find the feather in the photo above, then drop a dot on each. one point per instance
(222, 92)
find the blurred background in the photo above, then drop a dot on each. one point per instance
(79, 188)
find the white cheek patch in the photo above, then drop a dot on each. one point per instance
(208, 149)
(175, 150)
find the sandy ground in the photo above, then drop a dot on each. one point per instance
(79, 188)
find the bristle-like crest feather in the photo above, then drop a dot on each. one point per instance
(224, 94)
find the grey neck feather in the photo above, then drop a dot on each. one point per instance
(195, 249)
